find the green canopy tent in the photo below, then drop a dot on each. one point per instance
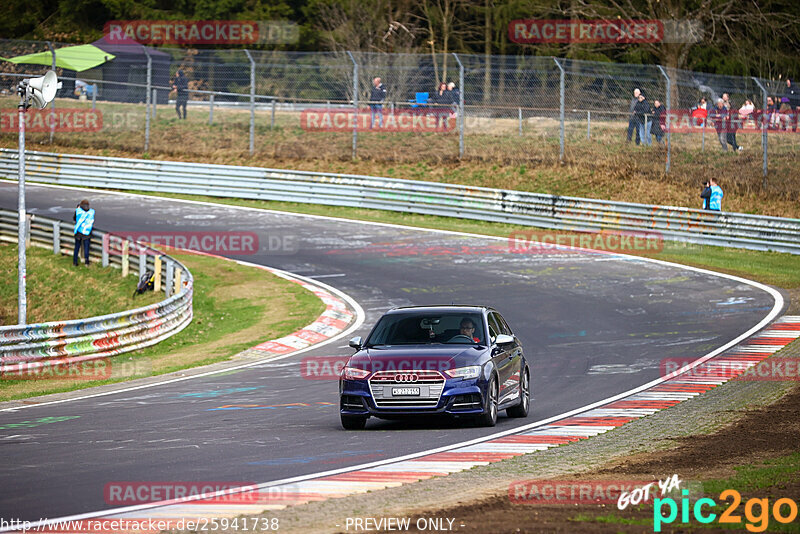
(78, 58)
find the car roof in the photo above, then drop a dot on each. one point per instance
(440, 308)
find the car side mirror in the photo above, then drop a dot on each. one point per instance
(355, 342)
(504, 339)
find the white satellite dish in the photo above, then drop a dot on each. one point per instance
(42, 90)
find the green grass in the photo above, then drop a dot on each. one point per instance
(58, 291)
(752, 478)
(609, 519)
(235, 307)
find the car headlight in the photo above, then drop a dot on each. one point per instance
(473, 371)
(353, 373)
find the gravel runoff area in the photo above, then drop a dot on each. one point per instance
(739, 422)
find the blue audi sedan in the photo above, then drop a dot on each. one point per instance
(463, 361)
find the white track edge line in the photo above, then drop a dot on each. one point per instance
(776, 309)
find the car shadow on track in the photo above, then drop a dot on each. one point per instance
(436, 422)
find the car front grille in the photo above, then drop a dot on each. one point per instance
(383, 383)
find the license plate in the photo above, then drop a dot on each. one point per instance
(405, 391)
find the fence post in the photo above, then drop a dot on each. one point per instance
(177, 287)
(252, 103)
(669, 107)
(56, 237)
(461, 116)
(147, 98)
(94, 96)
(703, 145)
(272, 119)
(168, 282)
(104, 251)
(155, 102)
(355, 104)
(211, 109)
(157, 273)
(764, 125)
(53, 103)
(588, 124)
(142, 262)
(520, 121)
(125, 265)
(561, 109)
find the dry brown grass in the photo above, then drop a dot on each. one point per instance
(496, 156)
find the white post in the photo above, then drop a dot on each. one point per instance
(22, 300)
(56, 237)
(252, 103)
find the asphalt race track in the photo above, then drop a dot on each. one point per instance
(594, 325)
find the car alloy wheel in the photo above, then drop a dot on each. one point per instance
(489, 417)
(521, 409)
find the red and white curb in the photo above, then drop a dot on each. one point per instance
(574, 427)
(332, 322)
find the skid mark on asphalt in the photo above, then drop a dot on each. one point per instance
(216, 392)
(271, 406)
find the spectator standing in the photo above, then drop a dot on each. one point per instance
(455, 96)
(659, 119)
(715, 201)
(733, 121)
(181, 86)
(699, 113)
(793, 99)
(441, 96)
(632, 118)
(376, 98)
(639, 110)
(746, 111)
(771, 113)
(719, 115)
(84, 222)
(706, 194)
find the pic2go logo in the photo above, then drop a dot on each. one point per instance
(784, 511)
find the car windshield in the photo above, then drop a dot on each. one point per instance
(414, 328)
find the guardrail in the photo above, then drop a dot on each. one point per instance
(32, 345)
(740, 230)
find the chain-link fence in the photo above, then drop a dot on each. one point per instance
(325, 104)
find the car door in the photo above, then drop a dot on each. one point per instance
(515, 353)
(501, 356)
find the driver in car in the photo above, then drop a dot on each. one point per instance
(467, 329)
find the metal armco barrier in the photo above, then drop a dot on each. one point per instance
(479, 203)
(95, 337)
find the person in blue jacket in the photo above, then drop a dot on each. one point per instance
(715, 201)
(84, 221)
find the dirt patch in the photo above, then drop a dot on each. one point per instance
(760, 435)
